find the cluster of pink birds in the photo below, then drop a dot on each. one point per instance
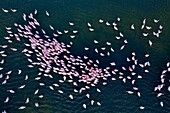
(162, 89)
(54, 57)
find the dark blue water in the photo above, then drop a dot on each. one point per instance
(113, 97)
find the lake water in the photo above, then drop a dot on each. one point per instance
(113, 97)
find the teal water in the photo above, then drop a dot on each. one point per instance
(113, 97)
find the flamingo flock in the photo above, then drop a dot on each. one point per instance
(52, 56)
